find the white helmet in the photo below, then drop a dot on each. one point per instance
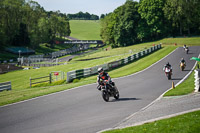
(100, 70)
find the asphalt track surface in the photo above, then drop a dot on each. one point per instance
(82, 109)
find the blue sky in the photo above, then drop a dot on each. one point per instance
(96, 7)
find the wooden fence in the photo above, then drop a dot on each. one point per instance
(45, 77)
(5, 86)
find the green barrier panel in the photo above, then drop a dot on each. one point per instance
(129, 59)
(139, 55)
(122, 61)
(80, 73)
(147, 51)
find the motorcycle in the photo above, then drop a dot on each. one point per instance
(182, 66)
(168, 72)
(186, 50)
(108, 90)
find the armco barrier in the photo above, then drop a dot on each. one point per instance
(197, 80)
(5, 86)
(108, 66)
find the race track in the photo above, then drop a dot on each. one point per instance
(82, 109)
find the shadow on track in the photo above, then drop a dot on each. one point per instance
(190, 53)
(187, 70)
(125, 99)
(176, 78)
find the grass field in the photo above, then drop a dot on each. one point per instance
(187, 123)
(85, 29)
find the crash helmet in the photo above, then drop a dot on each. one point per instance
(100, 70)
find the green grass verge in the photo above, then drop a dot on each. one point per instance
(187, 123)
(45, 48)
(184, 88)
(85, 29)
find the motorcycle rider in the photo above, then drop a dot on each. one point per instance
(168, 66)
(184, 46)
(183, 61)
(103, 76)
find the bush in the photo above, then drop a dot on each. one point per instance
(76, 80)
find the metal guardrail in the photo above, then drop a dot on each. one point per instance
(5, 86)
(108, 66)
(197, 80)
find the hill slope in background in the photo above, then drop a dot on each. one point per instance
(85, 29)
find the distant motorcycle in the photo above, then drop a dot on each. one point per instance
(187, 50)
(168, 72)
(108, 91)
(182, 66)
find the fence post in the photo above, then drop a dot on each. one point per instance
(50, 78)
(30, 81)
(10, 86)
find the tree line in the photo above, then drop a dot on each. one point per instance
(26, 23)
(83, 16)
(148, 20)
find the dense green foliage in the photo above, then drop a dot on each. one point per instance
(149, 20)
(26, 23)
(82, 16)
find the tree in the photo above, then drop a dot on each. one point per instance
(102, 16)
(10, 19)
(25, 22)
(21, 38)
(83, 16)
(119, 26)
(183, 14)
(106, 32)
(152, 12)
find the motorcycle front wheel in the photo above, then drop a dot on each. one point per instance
(105, 96)
(169, 76)
(182, 68)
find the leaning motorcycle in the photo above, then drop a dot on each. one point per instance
(168, 72)
(186, 50)
(182, 66)
(108, 90)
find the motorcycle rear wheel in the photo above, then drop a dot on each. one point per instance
(116, 96)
